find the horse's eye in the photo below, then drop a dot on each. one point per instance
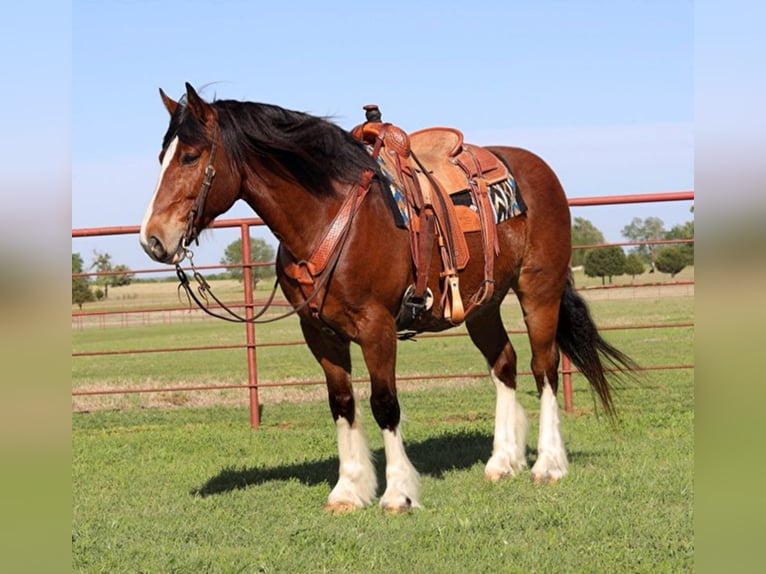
(189, 158)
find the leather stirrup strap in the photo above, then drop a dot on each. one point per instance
(452, 301)
(437, 197)
(423, 234)
(425, 249)
(490, 245)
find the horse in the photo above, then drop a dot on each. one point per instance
(299, 173)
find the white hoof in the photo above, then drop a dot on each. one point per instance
(550, 467)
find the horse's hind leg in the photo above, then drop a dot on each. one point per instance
(509, 444)
(357, 483)
(540, 299)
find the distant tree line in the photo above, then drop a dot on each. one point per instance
(611, 261)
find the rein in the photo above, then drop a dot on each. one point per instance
(318, 269)
(206, 293)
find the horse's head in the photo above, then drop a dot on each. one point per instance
(197, 182)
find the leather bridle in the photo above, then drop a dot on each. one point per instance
(191, 233)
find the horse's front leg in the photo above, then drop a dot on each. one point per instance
(402, 481)
(357, 483)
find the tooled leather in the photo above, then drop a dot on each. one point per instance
(306, 272)
(396, 139)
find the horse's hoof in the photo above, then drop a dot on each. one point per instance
(340, 507)
(546, 478)
(406, 506)
(495, 476)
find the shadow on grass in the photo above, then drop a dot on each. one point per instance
(433, 457)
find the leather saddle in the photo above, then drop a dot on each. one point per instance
(453, 162)
(429, 166)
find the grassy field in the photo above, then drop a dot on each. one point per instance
(193, 490)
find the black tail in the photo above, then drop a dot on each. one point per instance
(579, 338)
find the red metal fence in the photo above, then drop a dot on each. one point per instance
(248, 304)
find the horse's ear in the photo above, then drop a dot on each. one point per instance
(197, 106)
(170, 104)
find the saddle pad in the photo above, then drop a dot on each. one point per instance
(504, 198)
(395, 194)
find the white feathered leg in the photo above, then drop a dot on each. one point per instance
(402, 480)
(552, 463)
(357, 484)
(508, 448)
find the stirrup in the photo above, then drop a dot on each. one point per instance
(412, 307)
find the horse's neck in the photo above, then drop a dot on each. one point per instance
(296, 217)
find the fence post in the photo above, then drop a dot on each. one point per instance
(566, 371)
(252, 373)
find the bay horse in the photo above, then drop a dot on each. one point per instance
(297, 172)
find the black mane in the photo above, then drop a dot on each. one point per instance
(308, 149)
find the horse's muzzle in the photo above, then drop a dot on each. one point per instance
(156, 250)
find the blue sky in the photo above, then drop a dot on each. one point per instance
(602, 90)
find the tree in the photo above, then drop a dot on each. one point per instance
(670, 259)
(102, 263)
(584, 233)
(81, 291)
(605, 262)
(649, 229)
(634, 265)
(683, 231)
(260, 252)
(121, 279)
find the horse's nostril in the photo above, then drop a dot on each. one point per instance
(158, 250)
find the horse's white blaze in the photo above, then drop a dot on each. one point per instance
(402, 480)
(357, 483)
(508, 448)
(169, 155)
(552, 461)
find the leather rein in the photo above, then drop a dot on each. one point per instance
(313, 274)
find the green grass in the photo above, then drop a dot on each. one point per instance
(195, 490)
